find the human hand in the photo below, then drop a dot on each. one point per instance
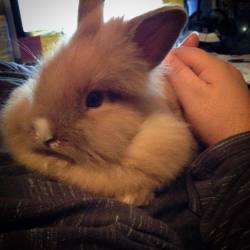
(213, 94)
(192, 40)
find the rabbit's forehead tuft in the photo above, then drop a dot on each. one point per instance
(107, 58)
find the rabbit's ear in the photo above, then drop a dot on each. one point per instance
(90, 15)
(156, 32)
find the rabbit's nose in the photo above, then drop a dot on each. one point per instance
(43, 132)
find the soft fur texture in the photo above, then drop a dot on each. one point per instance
(135, 142)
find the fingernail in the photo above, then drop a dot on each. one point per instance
(196, 33)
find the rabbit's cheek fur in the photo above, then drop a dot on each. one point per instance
(109, 130)
(99, 137)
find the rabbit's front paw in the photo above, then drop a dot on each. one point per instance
(137, 199)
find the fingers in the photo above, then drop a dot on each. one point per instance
(177, 71)
(207, 67)
(213, 94)
(185, 82)
(192, 40)
(196, 59)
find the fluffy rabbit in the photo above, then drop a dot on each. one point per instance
(98, 115)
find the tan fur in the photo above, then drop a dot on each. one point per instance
(127, 148)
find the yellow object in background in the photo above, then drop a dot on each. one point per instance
(179, 2)
(39, 45)
(49, 42)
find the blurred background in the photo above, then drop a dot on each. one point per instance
(30, 29)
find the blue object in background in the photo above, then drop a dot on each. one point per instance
(191, 6)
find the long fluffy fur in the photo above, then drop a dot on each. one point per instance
(125, 149)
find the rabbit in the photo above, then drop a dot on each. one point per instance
(99, 114)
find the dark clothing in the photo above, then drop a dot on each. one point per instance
(208, 207)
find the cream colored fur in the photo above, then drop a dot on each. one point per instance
(128, 147)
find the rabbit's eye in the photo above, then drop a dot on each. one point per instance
(94, 99)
